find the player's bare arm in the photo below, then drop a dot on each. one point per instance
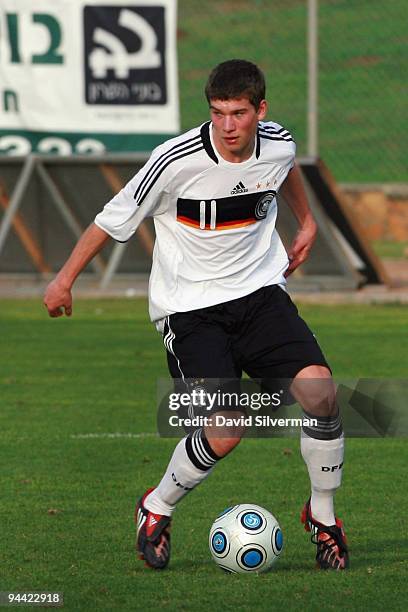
(58, 297)
(295, 195)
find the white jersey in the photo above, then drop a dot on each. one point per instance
(215, 220)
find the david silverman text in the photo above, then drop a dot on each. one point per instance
(242, 421)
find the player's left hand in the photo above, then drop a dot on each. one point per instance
(301, 246)
(58, 299)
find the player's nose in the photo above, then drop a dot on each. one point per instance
(229, 124)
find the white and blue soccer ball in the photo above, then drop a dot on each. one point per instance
(245, 538)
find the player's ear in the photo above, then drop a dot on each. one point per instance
(262, 110)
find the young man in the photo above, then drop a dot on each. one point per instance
(217, 292)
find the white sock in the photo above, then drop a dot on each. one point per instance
(192, 461)
(324, 461)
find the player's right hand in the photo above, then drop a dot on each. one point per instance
(58, 299)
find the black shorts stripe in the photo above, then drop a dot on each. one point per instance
(168, 338)
(167, 335)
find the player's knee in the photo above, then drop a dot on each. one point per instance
(321, 401)
(317, 393)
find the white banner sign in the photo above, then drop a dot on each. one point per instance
(81, 76)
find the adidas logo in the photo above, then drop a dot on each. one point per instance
(152, 521)
(240, 188)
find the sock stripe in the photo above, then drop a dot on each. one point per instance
(318, 435)
(327, 428)
(198, 435)
(191, 455)
(196, 445)
(194, 457)
(199, 451)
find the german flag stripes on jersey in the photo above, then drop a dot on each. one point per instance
(225, 213)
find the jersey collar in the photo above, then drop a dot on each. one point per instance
(208, 146)
(205, 137)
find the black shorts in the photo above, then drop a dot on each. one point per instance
(261, 334)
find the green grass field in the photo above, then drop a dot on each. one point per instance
(362, 53)
(68, 496)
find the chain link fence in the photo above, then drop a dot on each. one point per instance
(362, 92)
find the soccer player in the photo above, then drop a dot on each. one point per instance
(217, 292)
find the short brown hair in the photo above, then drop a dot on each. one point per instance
(236, 78)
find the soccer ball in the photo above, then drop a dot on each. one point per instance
(245, 538)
